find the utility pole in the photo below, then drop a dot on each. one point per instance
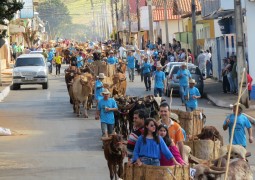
(113, 27)
(151, 34)
(139, 44)
(166, 25)
(116, 11)
(194, 29)
(129, 23)
(240, 56)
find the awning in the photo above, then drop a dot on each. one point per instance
(16, 28)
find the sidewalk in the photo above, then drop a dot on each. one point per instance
(6, 76)
(214, 92)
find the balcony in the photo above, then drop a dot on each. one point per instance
(212, 9)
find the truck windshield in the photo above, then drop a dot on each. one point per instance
(29, 62)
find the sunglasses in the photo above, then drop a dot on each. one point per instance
(152, 125)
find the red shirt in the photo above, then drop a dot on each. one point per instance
(249, 81)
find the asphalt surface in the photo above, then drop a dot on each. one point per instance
(51, 143)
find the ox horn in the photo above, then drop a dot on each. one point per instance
(211, 171)
(218, 168)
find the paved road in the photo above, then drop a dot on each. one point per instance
(52, 143)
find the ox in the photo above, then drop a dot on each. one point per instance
(114, 153)
(215, 169)
(70, 73)
(119, 84)
(81, 90)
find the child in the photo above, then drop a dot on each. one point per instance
(163, 132)
(149, 146)
(249, 81)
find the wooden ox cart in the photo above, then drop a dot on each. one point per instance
(146, 172)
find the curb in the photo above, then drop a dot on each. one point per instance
(216, 101)
(4, 93)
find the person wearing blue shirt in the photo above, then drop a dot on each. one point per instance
(149, 146)
(159, 83)
(242, 122)
(50, 58)
(191, 95)
(90, 59)
(105, 110)
(184, 76)
(111, 59)
(131, 66)
(79, 60)
(99, 87)
(71, 49)
(155, 53)
(146, 67)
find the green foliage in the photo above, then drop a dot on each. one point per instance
(7, 10)
(55, 14)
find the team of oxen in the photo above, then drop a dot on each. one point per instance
(80, 86)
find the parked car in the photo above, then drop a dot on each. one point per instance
(30, 69)
(173, 82)
(171, 64)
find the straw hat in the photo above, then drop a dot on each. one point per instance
(101, 76)
(240, 106)
(174, 117)
(105, 91)
(192, 81)
(159, 65)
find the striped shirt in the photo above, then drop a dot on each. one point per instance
(133, 136)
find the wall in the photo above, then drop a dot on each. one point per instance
(172, 28)
(250, 14)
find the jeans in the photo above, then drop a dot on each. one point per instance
(235, 84)
(231, 82)
(203, 71)
(107, 128)
(147, 80)
(208, 69)
(141, 74)
(181, 91)
(226, 87)
(150, 161)
(158, 91)
(190, 109)
(58, 66)
(50, 67)
(131, 73)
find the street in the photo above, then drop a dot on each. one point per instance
(51, 143)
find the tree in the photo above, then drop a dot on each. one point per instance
(29, 36)
(7, 10)
(55, 14)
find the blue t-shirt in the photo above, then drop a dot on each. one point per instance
(151, 149)
(184, 134)
(50, 56)
(184, 80)
(131, 62)
(192, 92)
(112, 60)
(107, 117)
(71, 49)
(155, 54)
(79, 61)
(146, 67)
(90, 60)
(159, 79)
(242, 122)
(98, 89)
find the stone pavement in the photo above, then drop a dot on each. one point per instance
(212, 91)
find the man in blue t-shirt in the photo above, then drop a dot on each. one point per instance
(191, 95)
(79, 60)
(184, 76)
(146, 67)
(242, 122)
(159, 83)
(131, 66)
(50, 58)
(111, 59)
(105, 110)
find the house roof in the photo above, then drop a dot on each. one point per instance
(184, 6)
(133, 5)
(158, 15)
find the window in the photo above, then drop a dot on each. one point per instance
(29, 62)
